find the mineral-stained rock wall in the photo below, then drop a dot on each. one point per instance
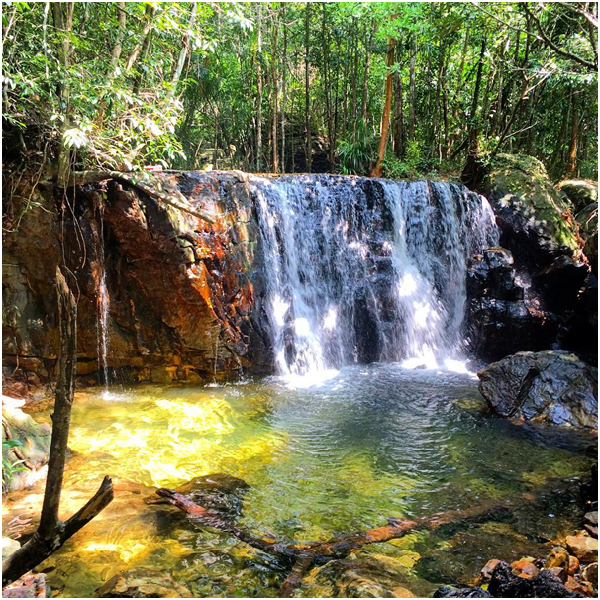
(181, 296)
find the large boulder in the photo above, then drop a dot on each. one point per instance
(579, 192)
(535, 221)
(550, 386)
(538, 227)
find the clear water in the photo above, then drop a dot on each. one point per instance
(368, 443)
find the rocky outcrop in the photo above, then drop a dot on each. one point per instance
(550, 387)
(538, 228)
(503, 316)
(181, 290)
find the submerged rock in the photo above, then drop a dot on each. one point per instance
(550, 386)
(143, 583)
(219, 492)
(474, 592)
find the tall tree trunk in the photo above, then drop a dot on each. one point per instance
(118, 47)
(141, 49)
(259, 87)
(327, 86)
(385, 122)
(275, 94)
(283, 88)
(306, 87)
(398, 132)
(365, 90)
(62, 14)
(572, 156)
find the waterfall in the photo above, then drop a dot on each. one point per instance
(361, 270)
(103, 301)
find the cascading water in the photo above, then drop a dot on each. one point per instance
(103, 301)
(360, 270)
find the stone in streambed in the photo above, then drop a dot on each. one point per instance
(143, 583)
(505, 584)
(583, 546)
(590, 573)
(552, 387)
(218, 492)
(474, 592)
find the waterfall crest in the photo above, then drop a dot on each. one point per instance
(362, 270)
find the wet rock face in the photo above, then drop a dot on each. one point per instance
(503, 316)
(181, 290)
(550, 387)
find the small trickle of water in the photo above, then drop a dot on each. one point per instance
(103, 304)
(367, 270)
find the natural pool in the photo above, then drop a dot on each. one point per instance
(369, 443)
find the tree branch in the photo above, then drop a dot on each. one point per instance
(550, 44)
(172, 196)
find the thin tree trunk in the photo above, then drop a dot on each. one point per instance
(52, 533)
(385, 123)
(412, 92)
(259, 88)
(306, 88)
(62, 14)
(365, 90)
(118, 47)
(398, 132)
(572, 156)
(275, 93)
(183, 54)
(283, 88)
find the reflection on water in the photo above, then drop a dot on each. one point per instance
(368, 443)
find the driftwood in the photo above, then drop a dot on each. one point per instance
(153, 187)
(301, 557)
(53, 533)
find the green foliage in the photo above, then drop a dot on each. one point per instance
(115, 97)
(9, 468)
(411, 166)
(357, 153)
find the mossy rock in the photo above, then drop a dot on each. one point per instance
(579, 192)
(536, 221)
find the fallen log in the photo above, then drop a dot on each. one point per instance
(53, 533)
(301, 557)
(153, 187)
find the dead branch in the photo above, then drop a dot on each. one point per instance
(155, 188)
(302, 556)
(53, 533)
